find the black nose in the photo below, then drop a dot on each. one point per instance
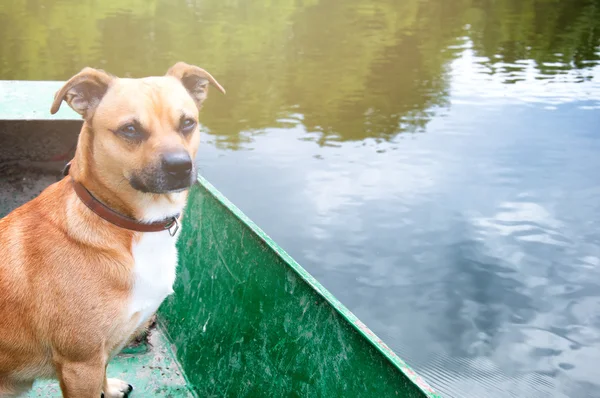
(177, 165)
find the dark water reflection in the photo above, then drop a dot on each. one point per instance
(433, 163)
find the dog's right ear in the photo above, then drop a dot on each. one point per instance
(83, 91)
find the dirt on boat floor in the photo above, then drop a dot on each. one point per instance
(153, 372)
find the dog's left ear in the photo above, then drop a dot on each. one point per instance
(83, 91)
(195, 80)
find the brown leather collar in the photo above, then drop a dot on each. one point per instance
(171, 224)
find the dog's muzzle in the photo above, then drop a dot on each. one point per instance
(174, 173)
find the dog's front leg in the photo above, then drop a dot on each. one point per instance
(81, 378)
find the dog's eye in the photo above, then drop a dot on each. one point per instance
(187, 125)
(130, 131)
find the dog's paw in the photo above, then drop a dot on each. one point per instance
(116, 388)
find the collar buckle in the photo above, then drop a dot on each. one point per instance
(172, 226)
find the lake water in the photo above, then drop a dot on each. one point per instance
(435, 164)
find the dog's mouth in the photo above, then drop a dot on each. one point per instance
(160, 182)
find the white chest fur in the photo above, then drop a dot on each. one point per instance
(155, 262)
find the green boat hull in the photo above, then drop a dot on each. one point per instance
(248, 321)
(245, 320)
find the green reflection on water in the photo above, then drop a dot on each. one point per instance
(343, 70)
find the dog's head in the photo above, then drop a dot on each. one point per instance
(140, 131)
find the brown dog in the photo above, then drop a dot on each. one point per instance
(85, 264)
